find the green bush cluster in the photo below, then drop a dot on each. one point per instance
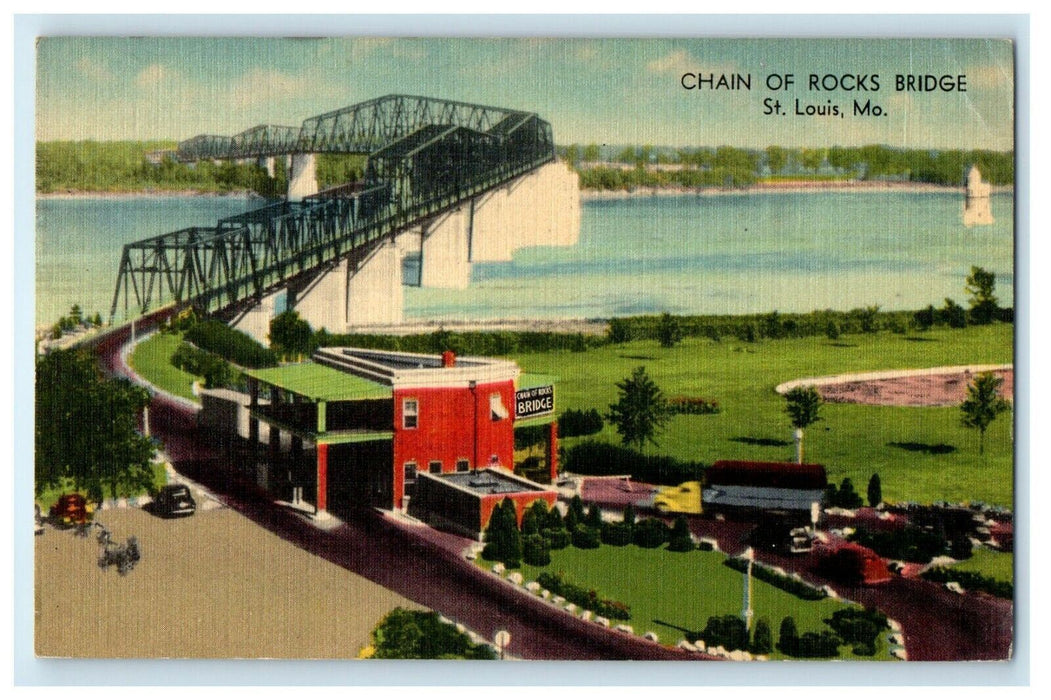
(971, 581)
(680, 539)
(76, 317)
(416, 634)
(650, 533)
(217, 372)
(858, 627)
(843, 497)
(486, 343)
(230, 344)
(910, 543)
(726, 631)
(583, 597)
(575, 423)
(789, 584)
(503, 541)
(601, 458)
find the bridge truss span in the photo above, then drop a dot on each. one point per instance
(425, 156)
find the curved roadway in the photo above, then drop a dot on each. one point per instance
(371, 547)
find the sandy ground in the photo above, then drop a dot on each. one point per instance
(266, 597)
(925, 390)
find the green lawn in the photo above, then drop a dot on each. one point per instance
(151, 359)
(851, 440)
(988, 562)
(673, 591)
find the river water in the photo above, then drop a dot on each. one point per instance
(731, 253)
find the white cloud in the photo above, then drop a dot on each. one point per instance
(93, 70)
(682, 61)
(153, 75)
(261, 86)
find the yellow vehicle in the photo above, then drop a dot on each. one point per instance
(684, 498)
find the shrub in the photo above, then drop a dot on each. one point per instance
(594, 516)
(692, 406)
(585, 598)
(574, 423)
(415, 634)
(616, 534)
(762, 638)
(629, 516)
(789, 584)
(788, 636)
(230, 344)
(535, 550)
(908, 544)
(556, 538)
(503, 541)
(859, 628)
(961, 548)
(971, 581)
(727, 631)
(585, 537)
(601, 458)
(553, 520)
(650, 533)
(680, 540)
(813, 645)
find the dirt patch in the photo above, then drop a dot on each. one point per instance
(211, 585)
(922, 390)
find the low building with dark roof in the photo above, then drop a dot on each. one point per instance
(736, 486)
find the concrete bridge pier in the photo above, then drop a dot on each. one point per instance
(302, 176)
(444, 261)
(270, 163)
(362, 293)
(255, 321)
(541, 208)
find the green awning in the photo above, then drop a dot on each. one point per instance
(321, 383)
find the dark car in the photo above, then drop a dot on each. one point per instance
(174, 499)
(71, 509)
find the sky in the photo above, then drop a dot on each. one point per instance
(605, 91)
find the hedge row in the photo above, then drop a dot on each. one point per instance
(217, 372)
(693, 406)
(486, 343)
(789, 584)
(970, 580)
(603, 459)
(230, 344)
(585, 598)
(908, 544)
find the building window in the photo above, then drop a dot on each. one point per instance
(497, 410)
(410, 472)
(462, 465)
(410, 413)
(435, 467)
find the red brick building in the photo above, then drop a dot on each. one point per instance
(356, 427)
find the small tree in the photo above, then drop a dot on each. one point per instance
(847, 497)
(832, 331)
(629, 515)
(762, 638)
(953, 314)
(982, 405)
(291, 336)
(875, 491)
(680, 539)
(669, 332)
(924, 318)
(803, 407)
(981, 285)
(594, 516)
(788, 636)
(641, 411)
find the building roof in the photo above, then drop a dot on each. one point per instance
(321, 383)
(488, 481)
(784, 475)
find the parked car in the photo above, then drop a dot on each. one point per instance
(174, 499)
(71, 509)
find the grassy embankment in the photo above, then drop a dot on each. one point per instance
(987, 562)
(921, 454)
(690, 588)
(151, 359)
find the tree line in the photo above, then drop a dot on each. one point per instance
(726, 166)
(125, 166)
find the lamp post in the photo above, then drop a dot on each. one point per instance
(746, 606)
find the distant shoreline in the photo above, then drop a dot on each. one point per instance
(779, 187)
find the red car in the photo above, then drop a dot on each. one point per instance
(71, 509)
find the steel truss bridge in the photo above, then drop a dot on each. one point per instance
(425, 155)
